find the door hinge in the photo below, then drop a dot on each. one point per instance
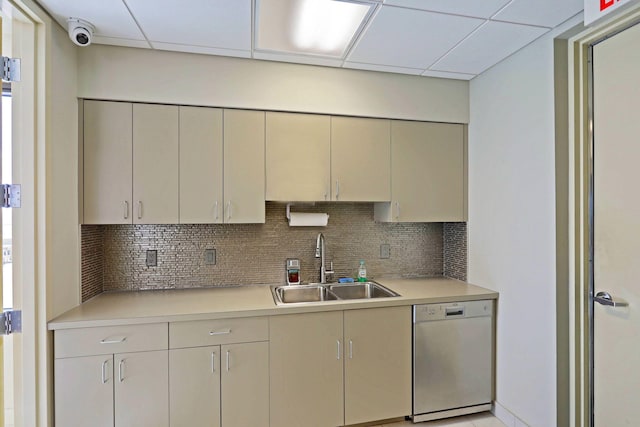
(10, 69)
(10, 322)
(11, 196)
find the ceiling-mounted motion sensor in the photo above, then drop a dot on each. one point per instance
(80, 31)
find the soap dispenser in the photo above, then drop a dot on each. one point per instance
(293, 271)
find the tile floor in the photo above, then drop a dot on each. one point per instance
(484, 419)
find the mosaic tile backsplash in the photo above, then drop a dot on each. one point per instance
(455, 250)
(256, 253)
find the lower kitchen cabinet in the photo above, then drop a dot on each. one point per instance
(377, 384)
(338, 368)
(219, 373)
(84, 391)
(306, 365)
(121, 390)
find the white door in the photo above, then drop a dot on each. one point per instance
(616, 71)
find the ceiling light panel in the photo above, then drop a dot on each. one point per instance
(473, 8)
(206, 23)
(311, 27)
(410, 38)
(546, 13)
(492, 43)
(110, 17)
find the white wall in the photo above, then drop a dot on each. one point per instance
(63, 251)
(107, 72)
(512, 223)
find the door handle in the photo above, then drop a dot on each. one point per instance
(605, 298)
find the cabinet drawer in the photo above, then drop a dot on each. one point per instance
(222, 331)
(110, 339)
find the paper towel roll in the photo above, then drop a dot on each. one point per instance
(302, 219)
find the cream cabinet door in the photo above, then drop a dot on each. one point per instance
(306, 362)
(194, 393)
(245, 385)
(427, 173)
(360, 159)
(155, 164)
(84, 391)
(201, 162)
(377, 364)
(298, 157)
(141, 389)
(244, 166)
(107, 162)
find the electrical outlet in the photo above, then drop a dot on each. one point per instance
(152, 258)
(385, 251)
(210, 256)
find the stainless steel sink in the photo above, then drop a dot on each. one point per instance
(361, 290)
(302, 293)
(313, 293)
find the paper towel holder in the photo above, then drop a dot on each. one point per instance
(288, 213)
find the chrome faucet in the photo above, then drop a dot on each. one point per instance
(320, 254)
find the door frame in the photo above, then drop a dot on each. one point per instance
(580, 205)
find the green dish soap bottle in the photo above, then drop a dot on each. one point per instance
(362, 272)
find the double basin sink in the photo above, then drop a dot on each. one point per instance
(316, 292)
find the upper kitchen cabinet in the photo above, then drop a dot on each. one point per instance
(155, 165)
(107, 168)
(201, 198)
(428, 173)
(360, 159)
(244, 166)
(298, 157)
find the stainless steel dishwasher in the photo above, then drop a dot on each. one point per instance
(452, 359)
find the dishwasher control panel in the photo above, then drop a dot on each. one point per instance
(452, 310)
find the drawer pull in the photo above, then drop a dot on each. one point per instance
(221, 332)
(104, 371)
(113, 341)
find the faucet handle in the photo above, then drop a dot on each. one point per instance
(330, 270)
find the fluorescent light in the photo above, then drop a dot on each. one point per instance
(327, 25)
(317, 27)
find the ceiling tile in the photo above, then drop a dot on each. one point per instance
(204, 23)
(474, 8)
(493, 42)
(410, 38)
(201, 49)
(448, 75)
(546, 13)
(383, 68)
(113, 41)
(110, 17)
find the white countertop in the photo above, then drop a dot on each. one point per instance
(136, 307)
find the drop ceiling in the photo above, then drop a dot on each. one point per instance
(456, 39)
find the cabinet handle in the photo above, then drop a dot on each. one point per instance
(114, 341)
(397, 210)
(215, 210)
(326, 194)
(338, 345)
(121, 370)
(213, 362)
(104, 371)
(229, 210)
(222, 332)
(139, 209)
(337, 189)
(126, 209)
(228, 360)
(350, 349)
